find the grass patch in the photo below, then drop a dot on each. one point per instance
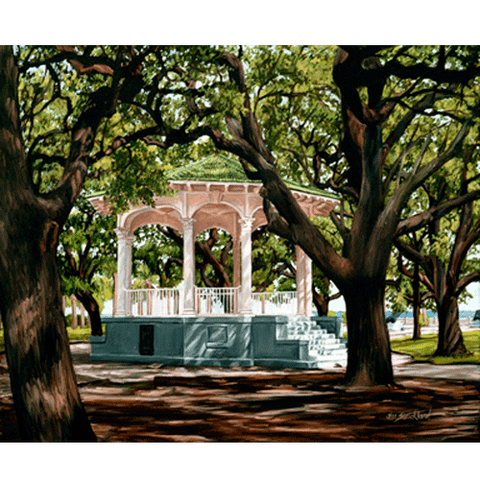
(78, 333)
(423, 349)
(73, 335)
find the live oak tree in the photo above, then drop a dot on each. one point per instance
(46, 397)
(380, 89)
(376, 161)
(404, 289)
(163, 96)
(446, 269)
(45, 394)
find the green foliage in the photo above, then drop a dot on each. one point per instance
(298, 109)
(87, 253)
(152, 254)
(272, 257)
(137, 175)
(69, 319)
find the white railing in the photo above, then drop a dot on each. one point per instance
(168, 302)
(274, 303)
(216, 301)
(161, 302)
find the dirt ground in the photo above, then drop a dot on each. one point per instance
(157, 403)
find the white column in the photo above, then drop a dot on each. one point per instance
(304, 283)
(308, 286)
(124, 270)
(73, 299)
(237, 259)
(188, 267)
(246, 244)
(300, 280)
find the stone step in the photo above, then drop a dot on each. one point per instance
(321, 350)
(332, 356)
(324, 349)
(324, 340)
(331, 361)
(328, 346)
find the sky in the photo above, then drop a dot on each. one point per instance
(472, 303)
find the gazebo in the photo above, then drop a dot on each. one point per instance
(210, 193)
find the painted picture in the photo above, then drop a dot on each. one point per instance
(240, 243)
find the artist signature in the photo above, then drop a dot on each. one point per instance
(415, 415)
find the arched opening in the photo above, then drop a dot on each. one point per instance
(214, 259)
(215, 292)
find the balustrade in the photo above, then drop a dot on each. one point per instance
(161, 302)
(168, 302)
(274, 303)
(217, 301)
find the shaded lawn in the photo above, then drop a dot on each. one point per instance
(254, 404)
(260, 405)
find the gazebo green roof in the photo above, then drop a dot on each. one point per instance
(219, 168)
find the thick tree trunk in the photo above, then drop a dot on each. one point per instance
(45, 394)
(450, 338)
(369, 355)
(417, 333)
(93, 310)
(320, 302)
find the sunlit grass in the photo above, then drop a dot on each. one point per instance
(423, 349)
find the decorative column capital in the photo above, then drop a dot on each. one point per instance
(125, 235)
(188, 224)
(246, 223)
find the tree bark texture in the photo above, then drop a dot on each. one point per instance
(360, 271)
(450, 338)
(85, 297)
(369, 356)
(91, 306)
(445, 282)
(417, 333)
(45, 394)
(320, 302)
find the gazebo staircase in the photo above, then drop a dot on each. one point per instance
(325, 349)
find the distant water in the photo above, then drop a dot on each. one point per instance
(430, 313)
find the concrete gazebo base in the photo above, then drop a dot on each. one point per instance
(213, 341)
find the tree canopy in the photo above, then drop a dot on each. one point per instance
(373, 124)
